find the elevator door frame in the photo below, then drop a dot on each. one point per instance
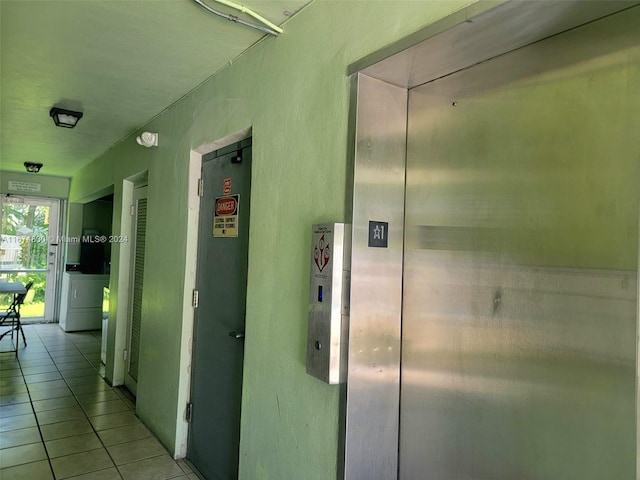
(381, 83)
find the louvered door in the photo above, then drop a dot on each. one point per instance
(138, 230)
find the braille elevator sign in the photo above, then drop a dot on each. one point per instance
(378, 234)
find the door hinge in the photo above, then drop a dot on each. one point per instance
(132, 210)
(194, 299)
(188, 412)
(200, 187)
(125, 355)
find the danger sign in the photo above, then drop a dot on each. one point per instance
(227, 205)
(225, 219)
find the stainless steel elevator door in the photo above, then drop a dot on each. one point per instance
(520, 269)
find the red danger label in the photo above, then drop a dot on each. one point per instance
(226, 206)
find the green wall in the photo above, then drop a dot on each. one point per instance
(294, 93)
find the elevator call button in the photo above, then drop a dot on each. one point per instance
(329, 302)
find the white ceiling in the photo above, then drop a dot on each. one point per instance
(121, 62)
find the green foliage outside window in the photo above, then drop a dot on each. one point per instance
(25, 246)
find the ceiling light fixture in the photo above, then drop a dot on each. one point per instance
(65, 118)
(32, 167)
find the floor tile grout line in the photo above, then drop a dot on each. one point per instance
(84, 412)
(121, 396)
(33, 409)
(93, 428)
(86, 416)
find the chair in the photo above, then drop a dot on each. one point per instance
(11, 317)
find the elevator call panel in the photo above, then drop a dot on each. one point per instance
(329, 302)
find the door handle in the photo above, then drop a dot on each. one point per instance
(237, 335)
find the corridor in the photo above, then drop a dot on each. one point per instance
(59, 419)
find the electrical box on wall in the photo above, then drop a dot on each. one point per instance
(329, 302)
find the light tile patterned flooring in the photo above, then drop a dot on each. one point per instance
(60, 419)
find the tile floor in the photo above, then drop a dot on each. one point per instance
(60, 419)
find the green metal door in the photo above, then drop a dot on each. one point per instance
(221, 280)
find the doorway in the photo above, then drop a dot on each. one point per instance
(29, 251)
(495, 337)
(138, 232)
(220, 299)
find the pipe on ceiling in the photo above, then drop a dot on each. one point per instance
(250, 12)
(271, 29)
